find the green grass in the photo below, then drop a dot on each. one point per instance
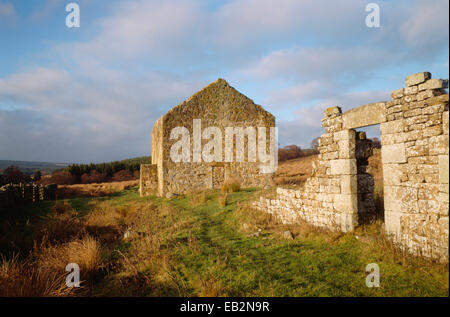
(208, 254)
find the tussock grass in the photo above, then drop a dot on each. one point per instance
(94, 190)
(85, 252)
(231, 185)
(27, 279)
(198, 198)
(58, 228)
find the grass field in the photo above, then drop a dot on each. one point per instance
(204, 244)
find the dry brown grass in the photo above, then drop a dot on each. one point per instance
(28, 279)
(152, 231)
(43, 272)
(231, 185)
(60, 238)
(85, 252)
(223, 199)
(294, 172)
(58, 228)
(94, 190)
(198, 198)
(376, 166)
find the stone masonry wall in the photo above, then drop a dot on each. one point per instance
(148, 183)
(414, 128)
(330, 197)
(415, 146)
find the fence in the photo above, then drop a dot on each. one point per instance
(15, 194)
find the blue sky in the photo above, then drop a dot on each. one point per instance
(92, 94)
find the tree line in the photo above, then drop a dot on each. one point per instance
(79, 173)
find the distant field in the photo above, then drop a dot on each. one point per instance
(296, 171)
(31, 167)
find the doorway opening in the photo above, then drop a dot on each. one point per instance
(370, 175)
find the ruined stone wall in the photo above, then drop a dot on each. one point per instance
(330, 197)
(148, 182)
(415, 141)
(415, 146)
(217, 105)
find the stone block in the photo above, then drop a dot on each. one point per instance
(396, 94)
(393, 153)
(445, 125)
(343, 167)
(438, 144)
(390, 127)
(434, 84)
(417, 78)
(411, 90)
(392, 174)
(432, 131)
(346, 149)
(349, 184)
(370, 114)
(348, 222)
(344, 135)
(401, 199)
(332, 111)
(425, 94)
(392, 222)
(443, 169)
(346, 203)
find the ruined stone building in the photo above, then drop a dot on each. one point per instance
(220, 106)
(414, 128)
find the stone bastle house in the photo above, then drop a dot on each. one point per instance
(217, 105)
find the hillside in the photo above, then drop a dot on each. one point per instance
(29, 167)
(294, 172)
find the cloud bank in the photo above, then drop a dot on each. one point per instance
(94, 95)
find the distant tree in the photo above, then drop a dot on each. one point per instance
(376, 143)
(14, 175)
(89, 172)
(60, 178)
(37, 176)
(315, 143)
(289, 152)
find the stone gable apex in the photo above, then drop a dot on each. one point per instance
(220, 96)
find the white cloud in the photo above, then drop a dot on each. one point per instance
(426, 23)
(99, 98)
(140, 28)
(307, 123)
(86, 120)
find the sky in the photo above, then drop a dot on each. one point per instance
(93, 93)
